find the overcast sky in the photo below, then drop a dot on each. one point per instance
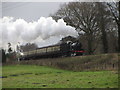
(30, 11)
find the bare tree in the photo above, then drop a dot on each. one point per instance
(28, 47)
(94, 19)
(114, 7)
(82, 16)
(103, 21)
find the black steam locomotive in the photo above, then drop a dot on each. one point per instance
(58, 50)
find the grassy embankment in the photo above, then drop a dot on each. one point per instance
(79, 63)
(31, 76)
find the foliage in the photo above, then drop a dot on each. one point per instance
(2, 56)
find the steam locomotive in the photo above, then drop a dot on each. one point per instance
(59, 50)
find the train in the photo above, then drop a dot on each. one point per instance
(64, 49)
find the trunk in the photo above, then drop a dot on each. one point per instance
(104, 38)
(102, 27)
(119, 38)
(89, 41)
(119, 30)
(89, 48)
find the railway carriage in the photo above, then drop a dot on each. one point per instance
(58, 50)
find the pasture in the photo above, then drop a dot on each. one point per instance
(32, 76)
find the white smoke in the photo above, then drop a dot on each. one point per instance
(45, 31)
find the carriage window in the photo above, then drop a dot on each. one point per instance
(41, 50)
(56, 48)
(32, 52)
(26, 53)
(49, 49)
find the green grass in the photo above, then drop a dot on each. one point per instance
(31, 76)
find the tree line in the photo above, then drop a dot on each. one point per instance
(99, 20)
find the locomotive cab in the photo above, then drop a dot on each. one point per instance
(70, 48)
(77, 49)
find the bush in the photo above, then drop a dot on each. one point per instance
(79, 63)
(3, 58)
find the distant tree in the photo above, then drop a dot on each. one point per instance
(18, 49)
(112, 41)
(28, 47)
(104, 18)
(3, 55)
(114, 8)
(9, 48)
(68, 38)
(0, 56)
(11, 55)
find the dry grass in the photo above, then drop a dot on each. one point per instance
(79, 63)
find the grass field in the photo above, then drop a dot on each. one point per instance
(31, 76)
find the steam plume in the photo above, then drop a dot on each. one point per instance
(45, 31)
